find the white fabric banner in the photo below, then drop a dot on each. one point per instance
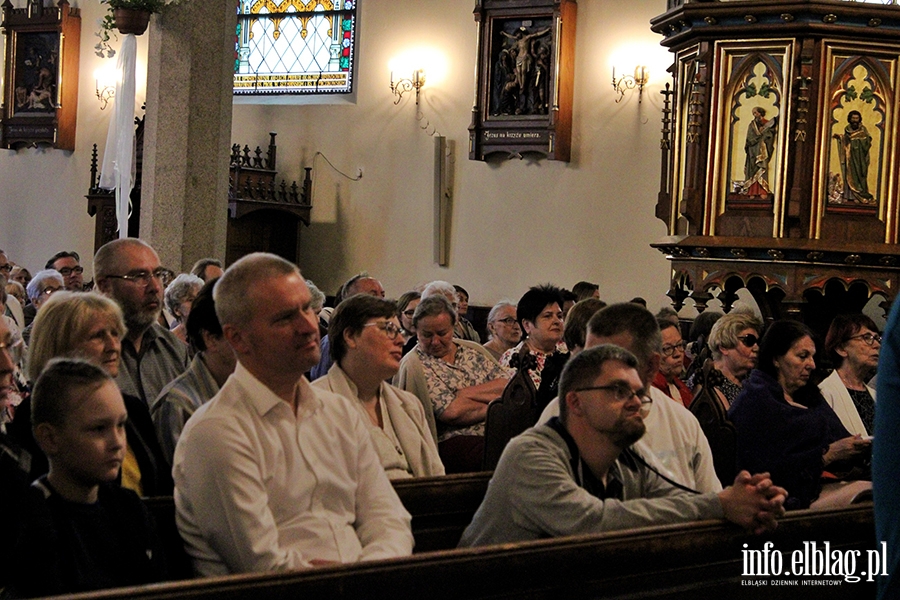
(117, 171)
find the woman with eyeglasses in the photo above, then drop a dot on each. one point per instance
(671, 363)
(179, 297)
(44, 284)
(784, 425)
(366, 346)
(853, 345)
(503, 328)
(406, 308)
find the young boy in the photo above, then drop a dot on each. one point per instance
(82, 532)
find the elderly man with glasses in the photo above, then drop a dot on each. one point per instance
(128, 271)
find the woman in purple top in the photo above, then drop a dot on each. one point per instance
(784, 426)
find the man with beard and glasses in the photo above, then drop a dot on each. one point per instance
(128, 271)
(578, 473)
(674, 436)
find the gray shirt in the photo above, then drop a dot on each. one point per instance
(162, 358)
(179, 400)
(536, 493)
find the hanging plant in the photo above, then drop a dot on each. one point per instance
(111, 24)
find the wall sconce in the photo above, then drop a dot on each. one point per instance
(628, 82)
(402, 86)
(105, 85)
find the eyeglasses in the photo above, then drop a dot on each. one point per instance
(66, 271)
(670, 350)
(868, 338)
(389, 329)
(14, 348)
(622, 393)
(7, 267)
(507, 321)
(50, 290)
(749, 340)
(141, 278)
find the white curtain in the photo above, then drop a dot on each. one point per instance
(117, 171)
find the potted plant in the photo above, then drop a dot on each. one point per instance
(125, 16)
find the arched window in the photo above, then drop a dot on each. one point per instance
(294, 47)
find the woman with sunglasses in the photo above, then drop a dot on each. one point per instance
(853, 345)
(784, 426)
(366, 346)
(733, 344)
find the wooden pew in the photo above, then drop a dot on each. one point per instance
(441, 508)
(692, 561)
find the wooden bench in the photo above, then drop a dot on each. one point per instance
(441, 508)
(692, 561)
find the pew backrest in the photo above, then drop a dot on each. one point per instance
(441, 508)
(690, 561)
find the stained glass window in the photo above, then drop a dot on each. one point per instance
(294, 46)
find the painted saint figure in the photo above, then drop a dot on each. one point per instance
(853, 149)
(759, 146)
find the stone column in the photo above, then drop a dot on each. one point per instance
(187, 135)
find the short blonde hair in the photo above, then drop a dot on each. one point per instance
(725, 331)
(234, 304)
(63, 322)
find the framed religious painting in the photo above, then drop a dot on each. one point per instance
(40, 94)
(524, 79)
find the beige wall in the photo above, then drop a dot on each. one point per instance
(515, 223)
(42, 204)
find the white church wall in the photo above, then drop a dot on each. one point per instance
(514, 223)
(42, 205)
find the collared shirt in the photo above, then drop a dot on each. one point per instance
(162, 358)
(469, 368)
(260, 488)
(178, 401)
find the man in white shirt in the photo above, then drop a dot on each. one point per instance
(272, 474)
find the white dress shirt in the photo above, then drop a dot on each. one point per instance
(258, 488)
